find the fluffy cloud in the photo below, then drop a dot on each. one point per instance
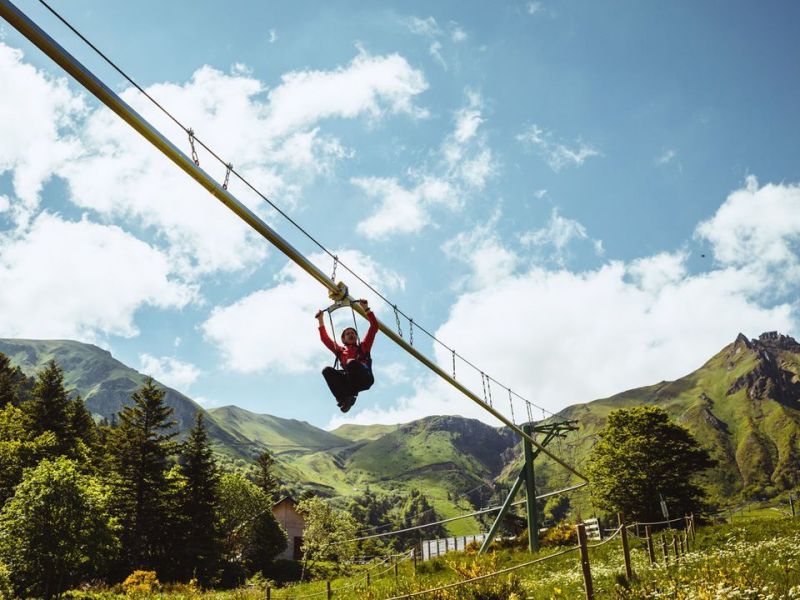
(169, 371)
(37, 115)
(63, 279)
(285, 312)
(556, 154)
(554, 240)
(427, 27)
(757, 225)
(560, 337)
(464, 164)
(276, 142)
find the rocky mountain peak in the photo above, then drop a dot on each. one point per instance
(772, 340)
(769, 378)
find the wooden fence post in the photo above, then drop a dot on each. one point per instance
(626, 551)
(675, 546)
(328, 590)
(367, 578)
(268, 593)
(694, 531)
(395, 569)
(664, 549)
(414, 556)
(587, 573)
(651, 551)
(791, 504)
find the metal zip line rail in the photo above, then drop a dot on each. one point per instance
(22, 23)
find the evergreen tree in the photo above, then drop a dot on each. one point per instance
(20, 448)
(141, 492)
(265, 475)
(48, 408)
(200, 497)
(642, 456)
(55, 530)
(14, 386)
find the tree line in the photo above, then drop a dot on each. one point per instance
(85, 501)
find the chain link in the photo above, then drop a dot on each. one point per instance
(194, 150)
(511, 403)
(335, 264)
(489, 389)
(528, 409)
(411, 331)
(483, 383)
(454, 363)
(228, 169)
(397, 320)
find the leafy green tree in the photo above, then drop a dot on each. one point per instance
(251, 536)
(326, 534)
(200, 497)
(265, 477)
(642, 454)
(20, 448)
(54, 530)
(142, 495)
(372, 512)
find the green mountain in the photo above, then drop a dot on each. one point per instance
(106, 384)
(743, 405)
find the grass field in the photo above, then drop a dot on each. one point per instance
(755, 557)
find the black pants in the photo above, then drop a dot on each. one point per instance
(355, 377)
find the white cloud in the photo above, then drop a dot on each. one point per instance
(80, 280)
(435, 51)
(483, 251)
(464, 165)
(534, 8)
(757, 226)
(553, 241)
(169, 371)
(539, 194)
(5, 203)
(457, 33)
(556, 155)
(666, 157)
(274, 328)
(427, 27)
(37, 115)
(276, 142)
(560, 337)
(273, 36)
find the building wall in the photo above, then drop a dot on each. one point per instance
(293, 524)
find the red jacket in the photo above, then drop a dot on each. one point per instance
(348, 353)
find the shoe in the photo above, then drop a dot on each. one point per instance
(347, 403)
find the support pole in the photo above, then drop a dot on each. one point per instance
(487, 541)
(791, 504)
(530, 491)
(651, 551)
(86, 78)
(587, 572)
(626, 551)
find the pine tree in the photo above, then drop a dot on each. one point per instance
(200, 499)
(48, 408)
(13, 383)
(265, 475)
(141, 492)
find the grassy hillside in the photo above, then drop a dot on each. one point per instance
(358, 433)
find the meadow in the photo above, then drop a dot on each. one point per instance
(755, 557)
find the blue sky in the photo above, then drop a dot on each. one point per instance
(579, 197)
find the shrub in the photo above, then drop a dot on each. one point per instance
(141, 583)
(284, 571)
(562, 534)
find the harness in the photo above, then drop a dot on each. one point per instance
(361, 356)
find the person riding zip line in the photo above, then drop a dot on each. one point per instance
(356, 373)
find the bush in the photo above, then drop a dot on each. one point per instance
(434, 565)
(283, 571)
(6, 589)
(141, 583)
(562, 534)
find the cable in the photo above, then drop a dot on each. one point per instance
(230, 170)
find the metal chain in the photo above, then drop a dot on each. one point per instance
(454, 363)
(194, 151)
(397, 320)
(411, 331)
(228, 169)
(483, 383)
(528, 408)
(511, 403)
(489, 388)
(335, 264)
